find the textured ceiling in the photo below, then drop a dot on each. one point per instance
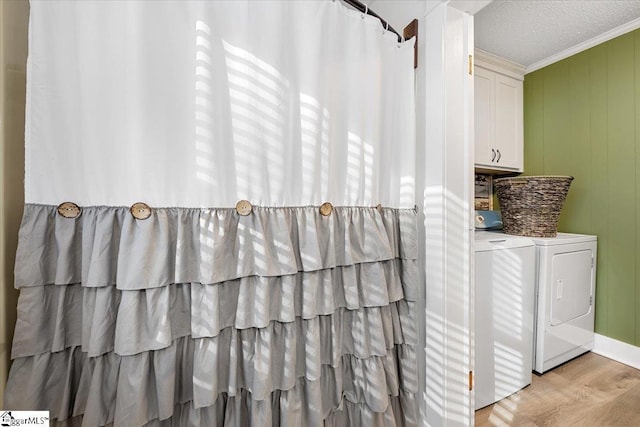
(528, 31)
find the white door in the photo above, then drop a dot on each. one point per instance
(571, 291)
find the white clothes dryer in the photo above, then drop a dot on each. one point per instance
(565, 282)
(503, 315)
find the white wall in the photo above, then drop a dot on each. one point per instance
(445, 140)
(400, 12)
(470, 6)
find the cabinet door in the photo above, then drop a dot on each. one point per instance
(484, 85)
(508, 122)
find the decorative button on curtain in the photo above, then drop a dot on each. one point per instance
(203, 314)
(197, 315)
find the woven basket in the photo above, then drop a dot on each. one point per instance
(531, 205)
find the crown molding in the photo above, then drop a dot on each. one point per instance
(611, 34)
(492, 62)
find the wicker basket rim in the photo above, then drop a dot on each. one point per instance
(521, 178)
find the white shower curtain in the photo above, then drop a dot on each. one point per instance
(201, 314)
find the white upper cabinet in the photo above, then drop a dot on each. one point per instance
(498, 114)
(484, 93)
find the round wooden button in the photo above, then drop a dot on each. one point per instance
(379, 207)
(243, 207)
(140, 210)
(69, 210)
(326, 208)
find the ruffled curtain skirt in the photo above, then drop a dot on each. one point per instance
(203, 317)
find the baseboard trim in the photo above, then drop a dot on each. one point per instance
(617, 350)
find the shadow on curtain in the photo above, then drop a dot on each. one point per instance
(201, 314)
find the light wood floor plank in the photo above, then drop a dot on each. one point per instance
(590, 390)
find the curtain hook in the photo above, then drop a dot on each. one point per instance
(401, 41)
(386, 28)
(366, 10)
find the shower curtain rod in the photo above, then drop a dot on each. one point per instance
(365, 9)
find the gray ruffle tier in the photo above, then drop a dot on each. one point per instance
(202, 317)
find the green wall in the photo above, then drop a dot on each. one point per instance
(582, 118)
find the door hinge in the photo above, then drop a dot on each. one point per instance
(591, 300)
(592, 262)
(470, 380)
(470, 65)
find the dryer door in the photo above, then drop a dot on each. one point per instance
(571, 290)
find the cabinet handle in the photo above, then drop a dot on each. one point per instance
(493, 157)
(499, 156)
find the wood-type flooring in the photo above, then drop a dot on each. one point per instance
(590, 390)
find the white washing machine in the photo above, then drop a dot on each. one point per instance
(566, 275)
(503, 315)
